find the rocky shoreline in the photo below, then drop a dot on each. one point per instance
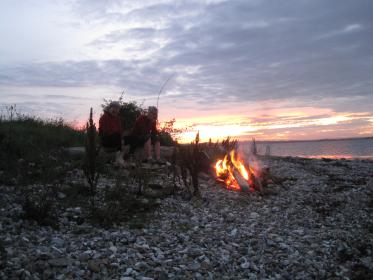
(318, 225)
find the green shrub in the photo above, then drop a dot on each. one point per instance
(40, 206)
(25, 138)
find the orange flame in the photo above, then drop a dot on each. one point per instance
(224, 169)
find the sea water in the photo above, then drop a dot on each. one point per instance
(346, 148)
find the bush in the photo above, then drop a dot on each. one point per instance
(190, 162)
(118, 205)
(168, 133)
(129, 112)
(26, 138)
(40, 206)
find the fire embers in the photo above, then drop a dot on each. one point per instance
(235, 174)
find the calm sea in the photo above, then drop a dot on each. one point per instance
(351, 148)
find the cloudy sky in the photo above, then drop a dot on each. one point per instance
(292, 69)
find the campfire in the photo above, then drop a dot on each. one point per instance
(238, 175)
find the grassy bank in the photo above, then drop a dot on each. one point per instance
(28, 140)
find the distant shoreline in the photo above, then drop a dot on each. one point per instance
(298, 141)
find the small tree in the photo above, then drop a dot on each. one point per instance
(168, 134)
(90, 162)
(129, 112)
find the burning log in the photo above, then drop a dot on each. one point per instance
(241, 181)
(239, 176)
(232, 171)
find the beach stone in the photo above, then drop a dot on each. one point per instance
(128, 271)
(254, 215)
(58, 242)
(141, 266)
(93, 266)
(194, 266)
(230, 218)
(306, 230)
(59, 262)
(47, 274)
(44, 256)
(245, 265)
(61, 195)
(113, 249)
(85, 256)
(233, 232)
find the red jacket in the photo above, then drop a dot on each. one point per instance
(109, 124)
(144, 126)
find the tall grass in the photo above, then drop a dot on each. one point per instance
(28, 138)
(90, 163)
(23, 132)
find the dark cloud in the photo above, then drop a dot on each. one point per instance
(235, 51)
(62, 97)
(85, 73)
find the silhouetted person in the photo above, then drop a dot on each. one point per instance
(110, 130)
(145, 134)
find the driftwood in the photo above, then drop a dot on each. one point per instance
(257, 183)
(245, 186)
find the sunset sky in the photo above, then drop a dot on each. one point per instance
(292, 69)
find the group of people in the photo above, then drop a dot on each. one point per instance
(144, 133)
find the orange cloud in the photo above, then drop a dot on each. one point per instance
(279, 124)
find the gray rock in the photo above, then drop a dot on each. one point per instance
(302, 231)
(141, 266)
(94, 266)
(25, 239)
(245, 265)
(254, 215)
(230, 218)
(59, 262)
(128, 271)
(194, 266)
(195, 252)
(113, 249)
(85, 256)
(114, 265)
(44, 256)
(47, 274)
(56, 249)
(58, 242)
(61, 195)
(233, 232)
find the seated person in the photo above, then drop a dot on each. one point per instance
(110, 129)
(145, 134)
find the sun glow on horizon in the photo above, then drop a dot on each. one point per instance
(245, 127)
